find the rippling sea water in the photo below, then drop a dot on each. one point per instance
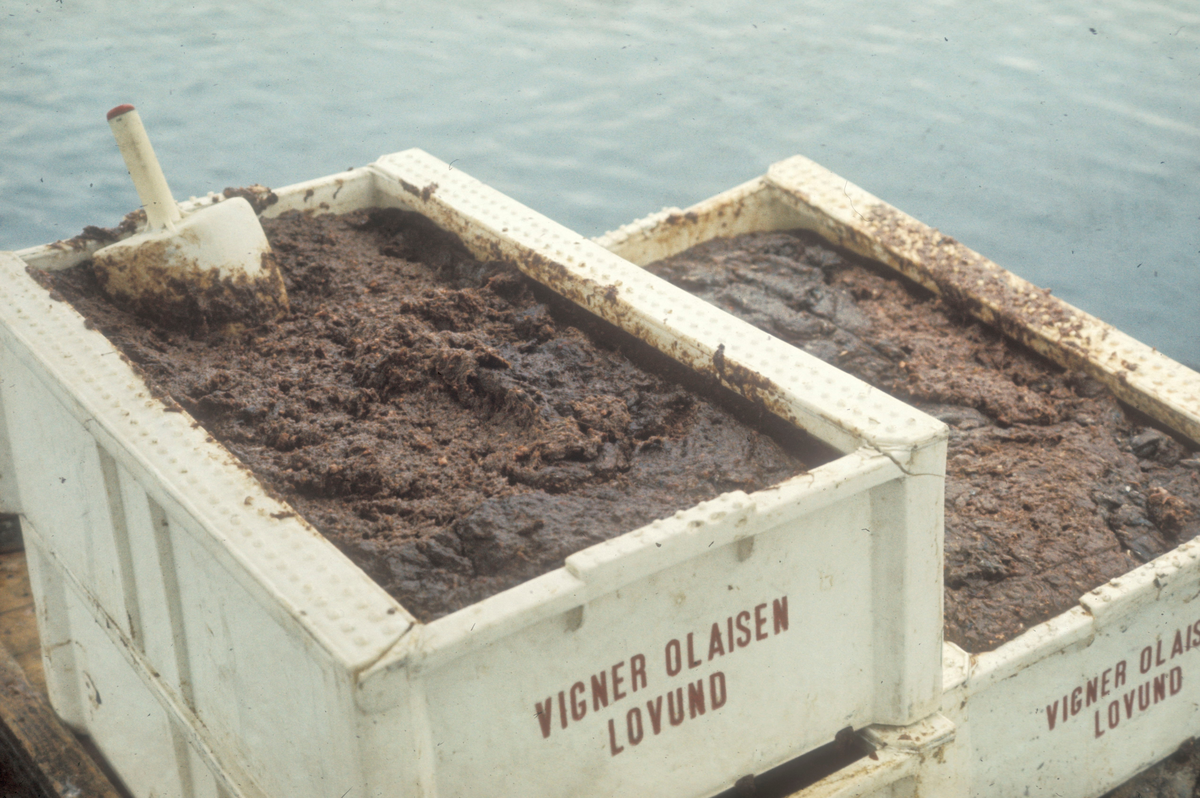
(1061, 139)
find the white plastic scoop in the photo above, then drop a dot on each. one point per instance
(209, 271)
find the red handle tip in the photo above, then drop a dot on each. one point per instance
(120, 109)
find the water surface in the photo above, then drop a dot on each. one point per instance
(1061, 139)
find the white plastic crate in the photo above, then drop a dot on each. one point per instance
(212, 644)
(1078, 704)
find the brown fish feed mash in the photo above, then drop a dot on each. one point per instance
(1052, 486)
(450, 425)
(456, 429)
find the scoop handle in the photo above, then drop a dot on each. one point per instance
(148, 177)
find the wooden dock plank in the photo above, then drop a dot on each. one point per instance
(39, 756)
(31, 664)
(14, 582)
(41, 751)
(18, 631)
(18, 623)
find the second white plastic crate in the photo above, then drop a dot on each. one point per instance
(1075, 705)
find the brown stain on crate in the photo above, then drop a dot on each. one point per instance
(971, 282)
(260, 197)
(423, 193)
(1020, 310)
(94, 237)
